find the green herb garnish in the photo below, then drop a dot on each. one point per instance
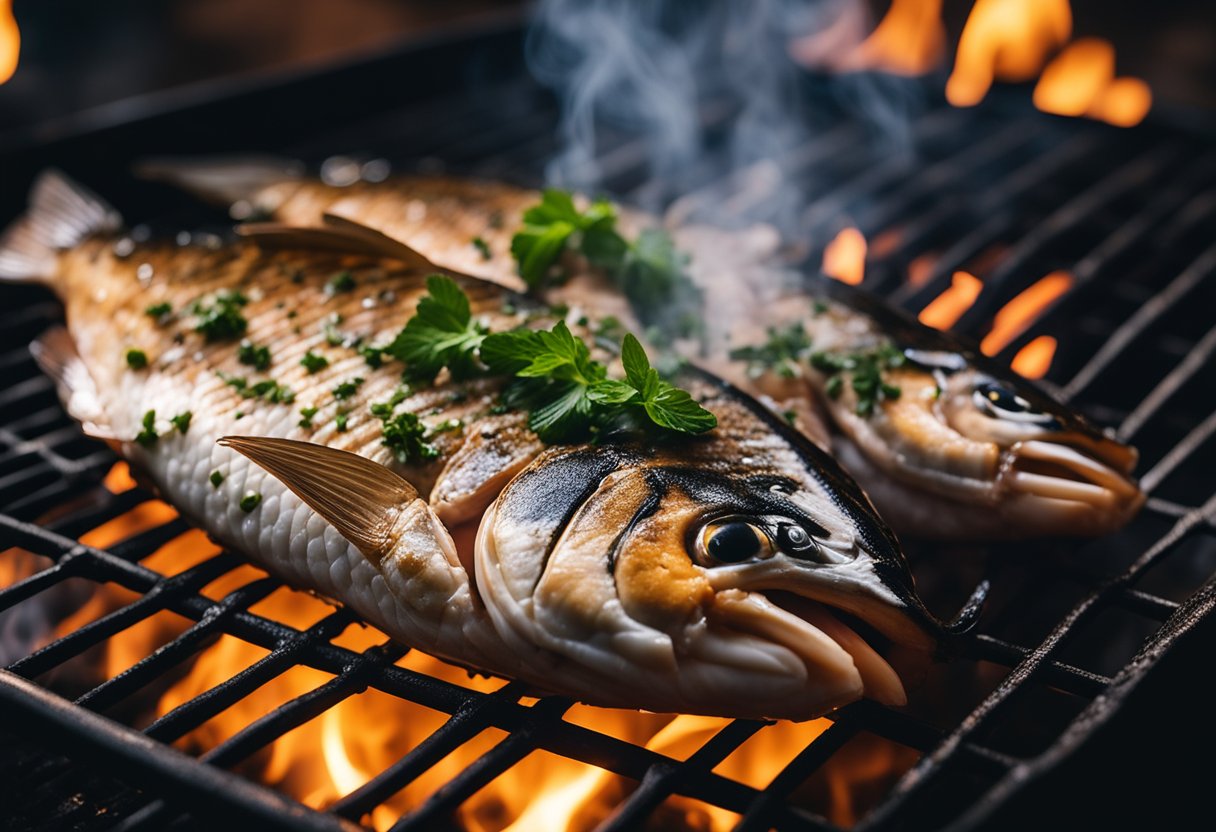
(405, 435)
(441, 334)
(250, 501)
(650, 270)
(148, 436)
(374, 356)
(348, 388)
(254, 356)
(159, 311)
(221, 319)
(216, 478)
(340, 421)
(182, 421)
(313, 362)
(783, 352)
(339, 283)
(267, 390)
(483, 248)
(137, 359)
(866, 368)
(307, 413)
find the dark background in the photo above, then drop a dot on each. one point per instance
(79, 54)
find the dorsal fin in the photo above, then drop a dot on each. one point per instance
(337, 234)
(222, 179)
(361, 498)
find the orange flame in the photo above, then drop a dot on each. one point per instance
(845, 257)
(10, 41)
(909, 40)
(1013, 318)
(1081, 81)
(1007, 40)
(1034, 359)
(945, 309)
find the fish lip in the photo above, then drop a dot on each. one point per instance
(1057, 469)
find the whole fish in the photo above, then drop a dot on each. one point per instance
(719, 574)
(968, 450)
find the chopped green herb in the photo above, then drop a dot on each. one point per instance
(240, 414)
(866, 368)
(159, 311)
(137, 359)
(182, 421)
(221, 319)
(441, 334)
(291, 314)
(783, 352)
(483, 248)
(267, 389)
(383, 410)
(447, 426)
(374, 356)
(148, 436)
(254, 356)
(790, 416)
(313, 362)
(405, 436)
(216, 478)
(307, 413)
(340, 421)
(339, 283)
(348, 388)
(250, 501)
(818, 307)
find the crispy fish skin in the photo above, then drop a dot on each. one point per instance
(635, 574)
(947, 467)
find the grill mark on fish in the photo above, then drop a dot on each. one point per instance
(648, 507)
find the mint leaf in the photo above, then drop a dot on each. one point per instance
(441, 334)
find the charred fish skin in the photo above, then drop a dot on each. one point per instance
(695, 575)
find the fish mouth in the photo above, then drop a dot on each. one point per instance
(1081, 479)
(838, 646)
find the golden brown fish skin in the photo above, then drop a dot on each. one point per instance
(289, 310)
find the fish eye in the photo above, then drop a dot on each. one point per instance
(732, 540)
(999, 402)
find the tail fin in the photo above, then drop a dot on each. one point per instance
(223, 179)
(62, 213)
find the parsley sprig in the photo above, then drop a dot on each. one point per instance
(441, 334)
(650, 271)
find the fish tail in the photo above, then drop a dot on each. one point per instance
(222, 179)
(62, 214)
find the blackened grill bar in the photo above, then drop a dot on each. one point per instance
(1041, 188)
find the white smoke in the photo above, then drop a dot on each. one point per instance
(660, 71)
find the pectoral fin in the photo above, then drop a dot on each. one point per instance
(361, 498)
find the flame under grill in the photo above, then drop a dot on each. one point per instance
(1000, 191)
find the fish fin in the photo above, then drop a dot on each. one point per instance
(336, 235)
(55, 352)
(222, 179)
(359, 497)
(62, 213)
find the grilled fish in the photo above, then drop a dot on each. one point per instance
(718, 574)
(968, 450)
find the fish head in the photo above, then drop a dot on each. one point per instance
(997, 439)
(729, 574)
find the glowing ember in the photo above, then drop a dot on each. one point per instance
(1034, 359)
(908, 41)
(1072, 83)
(1021, 312)
(845, 257)
(1008, 40)
(10, 41)
(945, 309)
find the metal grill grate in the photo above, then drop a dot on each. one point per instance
(1124, 211)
